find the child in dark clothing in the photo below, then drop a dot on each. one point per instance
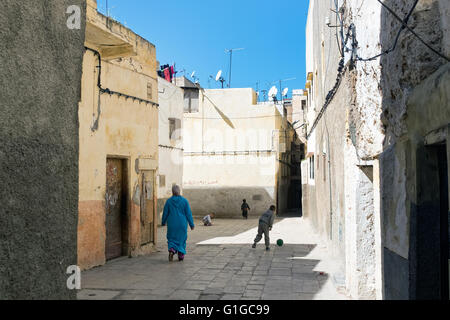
(245, 207)
(265, 225)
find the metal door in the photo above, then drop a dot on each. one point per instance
(148, 207)
(114, 208)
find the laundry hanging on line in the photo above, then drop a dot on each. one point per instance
(167, 72)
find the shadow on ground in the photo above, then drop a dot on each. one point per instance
(217, 270)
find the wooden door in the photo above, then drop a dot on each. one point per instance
(114, 207)
(148, 208)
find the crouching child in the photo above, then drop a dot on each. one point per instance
(207, 220)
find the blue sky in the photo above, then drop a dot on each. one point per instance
(195, 34)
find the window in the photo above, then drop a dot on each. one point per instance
(311, 167)
(149, 91)
(162, 180)
(174, 129)
(171, 127)
(191, 100)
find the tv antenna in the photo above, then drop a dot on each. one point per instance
(280, 84)
(108, 11)
(194, 77)
(209, 81)
(264, 92)
(220, 78)
(230, 51)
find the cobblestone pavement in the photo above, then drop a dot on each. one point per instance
(220, 264)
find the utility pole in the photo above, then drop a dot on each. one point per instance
(231, 61)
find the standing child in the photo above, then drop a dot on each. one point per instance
(265, 225)
(245, 208)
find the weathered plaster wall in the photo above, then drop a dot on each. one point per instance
(349, 132)
(365, 126)
(402, 71)
(444, 9)
(332, 165)
(171, 100)
(40, 79)
(126, 129)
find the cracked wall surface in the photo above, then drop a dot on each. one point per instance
(409, 68)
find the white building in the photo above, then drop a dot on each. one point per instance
(235, 149)
(170, 172)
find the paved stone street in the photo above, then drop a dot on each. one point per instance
(220, 264)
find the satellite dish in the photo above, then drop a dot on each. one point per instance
(273, 92)
(219, 74)
(285, 92)
(193, 74)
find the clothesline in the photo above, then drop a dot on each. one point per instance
(167, 72)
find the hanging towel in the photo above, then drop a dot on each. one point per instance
(167, 74)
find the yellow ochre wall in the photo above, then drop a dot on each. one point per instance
(127, 129)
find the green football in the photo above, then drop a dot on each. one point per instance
(279, 242)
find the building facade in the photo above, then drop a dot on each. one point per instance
(235, 149)
(415, 159)
(376, 168)
(344, 136)
(170, 170)
(118, 116)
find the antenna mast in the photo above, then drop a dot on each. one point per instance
(280, 82)
(231, 60)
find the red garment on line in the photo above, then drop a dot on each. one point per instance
(167, 74)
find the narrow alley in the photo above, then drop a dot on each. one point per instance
(221, 264)
(125, 123)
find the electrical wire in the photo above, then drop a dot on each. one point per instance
(341, 70)
(111, 92)
(352, 31)
(396, 38)
(170, 147)
(405, 26)
(237, 118)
